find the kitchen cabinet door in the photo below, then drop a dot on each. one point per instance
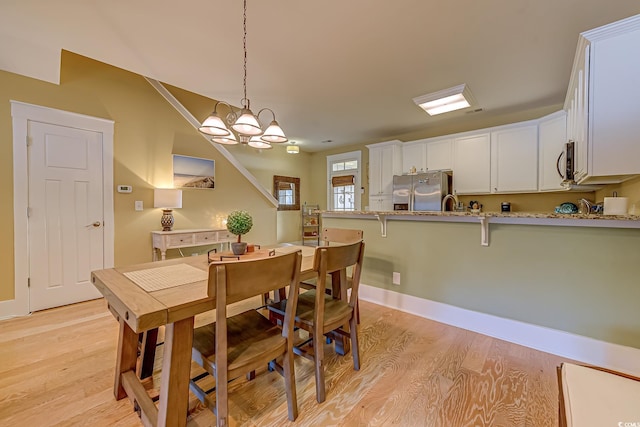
(603, 103)
(381, 203)
(385, 160)
(439, 155)
(414, 155)
(472, 164)
(514, 159)
(552, 136)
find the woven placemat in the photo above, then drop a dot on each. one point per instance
(155, 279)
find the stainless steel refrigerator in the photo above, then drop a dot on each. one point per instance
(420, 192)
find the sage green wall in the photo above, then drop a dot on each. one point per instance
(575, 279)
(147, 132)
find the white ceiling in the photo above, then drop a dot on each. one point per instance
(340, 70)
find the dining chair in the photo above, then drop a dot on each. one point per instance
(329, 236)
(240, 344)
(321, 314)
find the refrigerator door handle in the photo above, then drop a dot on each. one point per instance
(411, 196)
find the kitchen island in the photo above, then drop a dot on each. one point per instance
(485, 218)
(565, 284)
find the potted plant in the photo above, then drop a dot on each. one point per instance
(239, 223)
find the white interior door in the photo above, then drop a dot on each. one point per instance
(66, 224)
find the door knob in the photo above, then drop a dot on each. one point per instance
(95, 224)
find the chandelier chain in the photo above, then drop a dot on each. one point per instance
(244, 45)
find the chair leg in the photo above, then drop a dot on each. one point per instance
(355, 349)
(222, 409)
(290, 385)
(318, 353)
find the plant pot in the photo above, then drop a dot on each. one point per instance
(239, 248)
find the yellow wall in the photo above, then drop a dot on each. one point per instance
(263, 164)
(147, 132)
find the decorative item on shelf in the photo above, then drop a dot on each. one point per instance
(566, 208)
(475, 207)
(239, 223)
(244, 123)
(167, 199)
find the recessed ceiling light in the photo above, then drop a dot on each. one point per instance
(446, 100)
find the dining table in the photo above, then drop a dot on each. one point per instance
(166, 293)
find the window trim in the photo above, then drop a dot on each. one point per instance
(351, 155)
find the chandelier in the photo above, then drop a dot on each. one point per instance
(245, 125)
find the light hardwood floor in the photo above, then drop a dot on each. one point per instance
(57, 367)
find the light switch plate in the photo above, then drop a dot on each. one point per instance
(139, 205)
(396, 278)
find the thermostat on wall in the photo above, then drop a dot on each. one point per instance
(125, 189)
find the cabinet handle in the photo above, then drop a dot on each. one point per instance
(558, 165)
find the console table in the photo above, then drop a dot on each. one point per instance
(175, 239)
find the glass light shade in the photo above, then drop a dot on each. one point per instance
(226, 140)
(293, 149)
(247, 123)
(274, 133)
(168, 198)
(214, 125)
(256, 142)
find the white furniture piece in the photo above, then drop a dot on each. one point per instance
(385, 160)
(514, 158)
(440, 155)
(176, 239)
(552, 135)
(414, 156)
(472, 163)
(603, 103)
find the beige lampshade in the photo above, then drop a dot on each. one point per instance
(168, 198)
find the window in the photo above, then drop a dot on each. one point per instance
(343, 186)
(287, 190)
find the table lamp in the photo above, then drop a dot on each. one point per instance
(167, 199)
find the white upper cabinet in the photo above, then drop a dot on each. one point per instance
(440, 155)
(414, 155)
(472, 164)
(552, 135)
(603, 103)
(385, 160)
(514, 158)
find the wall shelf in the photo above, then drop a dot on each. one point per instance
(310, 225)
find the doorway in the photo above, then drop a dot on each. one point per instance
(63, 205)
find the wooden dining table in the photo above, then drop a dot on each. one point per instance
(167, 293)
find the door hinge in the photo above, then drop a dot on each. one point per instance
(28, 212)
(28, 138)
(28, 282)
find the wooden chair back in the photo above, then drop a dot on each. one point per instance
(340, 235)
(332, 262)
(247, 278)
(233, 281)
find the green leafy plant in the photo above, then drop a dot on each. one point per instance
(239, 223)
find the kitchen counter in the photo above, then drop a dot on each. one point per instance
(485, 218)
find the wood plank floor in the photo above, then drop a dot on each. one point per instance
(57, 367)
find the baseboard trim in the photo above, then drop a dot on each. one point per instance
(564, 344)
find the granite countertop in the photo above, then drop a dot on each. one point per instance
(540, 215)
